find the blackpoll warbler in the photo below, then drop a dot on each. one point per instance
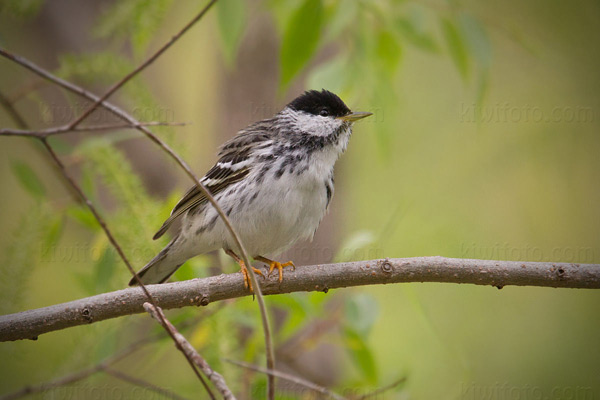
(274, 180)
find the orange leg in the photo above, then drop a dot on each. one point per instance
(242, 264)
(275, 264)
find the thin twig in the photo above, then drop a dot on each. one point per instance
(108, 361)
(66, 380)
(126, 117)
(142, 383)
(185, 347)
(142, 66)
(260, 300)
(43, 133)
(324, 277)
(288, 377)
(382, 389)
(99, 101)
(115, 244)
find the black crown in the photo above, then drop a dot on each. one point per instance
(320, 103)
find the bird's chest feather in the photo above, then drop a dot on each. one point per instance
(292, 198)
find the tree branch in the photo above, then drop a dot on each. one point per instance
(43, 133)
(185, 347)
(142, 66)
(30, 324)
(102, 365)
(142, 383)
(101, 101)
(290, 378)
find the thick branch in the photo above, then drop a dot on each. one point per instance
(32, 323)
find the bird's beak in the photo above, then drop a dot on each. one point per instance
(355, 116)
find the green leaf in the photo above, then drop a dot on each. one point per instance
(21, 9)
(355, 242)
(361, 311)
(477, 39)
(232, 21)
(456, 47)
(344, 15)
(84, 217)
(329, 75)
(53, 233)
(388, 51)
(361, 354)
(85, 282)
(21, 255)
(28, 179)
(297, 310)
(105, 268)
(411, 32)
(136, 19)
(300, 40)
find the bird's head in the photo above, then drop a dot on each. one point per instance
(320, 116)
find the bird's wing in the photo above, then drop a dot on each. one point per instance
(233, 166)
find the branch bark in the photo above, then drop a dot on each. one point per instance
(30, 324)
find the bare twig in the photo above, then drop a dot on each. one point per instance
(66, 380)
(288, 377)
(142, 383)
(116, 245)
(30, 324)
(43, 133)
(100, 101)
(185, 347)
(142, 66)
(382, 389)
(108, 361)
(128, 118)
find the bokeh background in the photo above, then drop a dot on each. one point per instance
(484, 144)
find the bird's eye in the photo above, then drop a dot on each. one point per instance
(324, 112)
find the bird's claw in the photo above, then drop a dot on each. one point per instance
(280, 267)
(247, 280)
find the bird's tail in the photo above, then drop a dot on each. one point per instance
(160, 268)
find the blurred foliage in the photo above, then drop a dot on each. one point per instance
(232, 22)
(425, 185)
(22, 9)
(133, 20)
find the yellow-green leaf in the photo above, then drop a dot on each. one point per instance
(300, 39)
(28, 179)
(456, 47)
(388, 51)
(232, 21)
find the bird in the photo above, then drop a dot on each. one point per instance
(274, 180)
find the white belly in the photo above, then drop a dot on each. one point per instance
(283, 211)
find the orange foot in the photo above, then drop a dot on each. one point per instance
(276, 264)
(244, 269)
